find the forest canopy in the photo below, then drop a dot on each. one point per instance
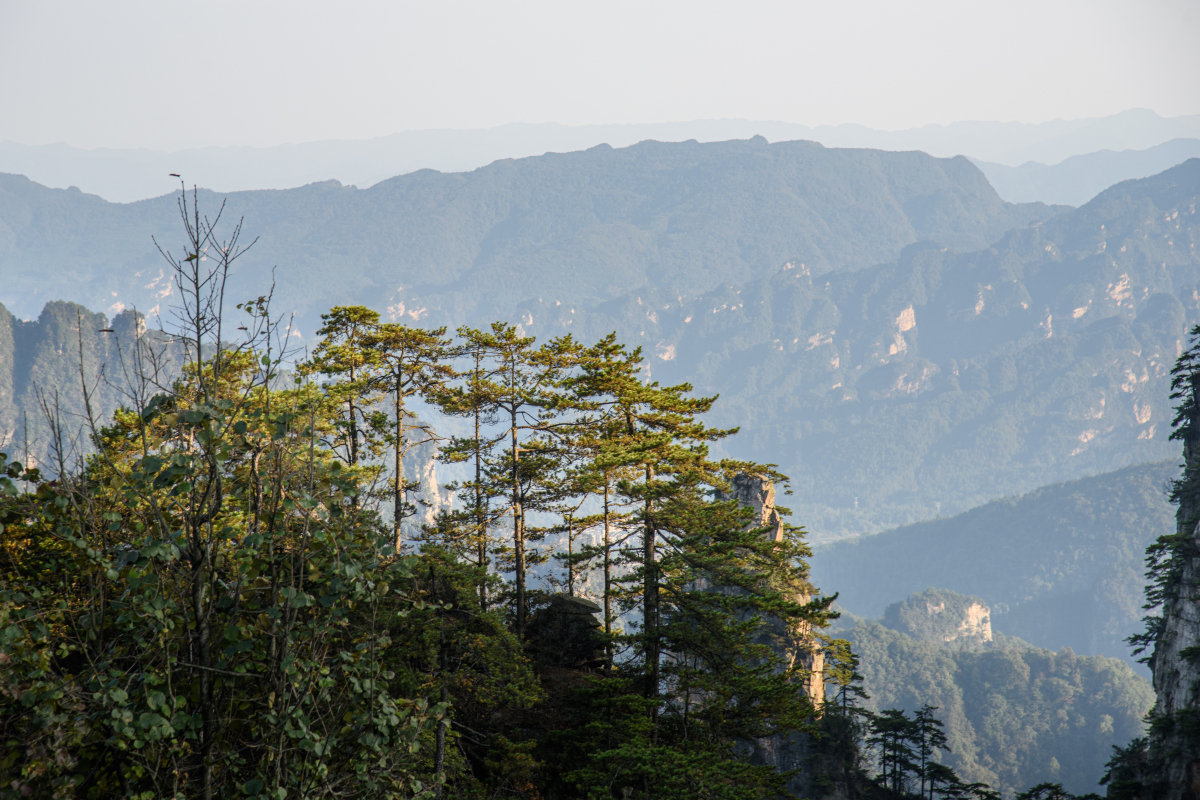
(218, 598)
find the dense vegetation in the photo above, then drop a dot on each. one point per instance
(221, 598)
(1015, 715)
(448, 627)
(1059, 567)
(214, 603)
(942, 617)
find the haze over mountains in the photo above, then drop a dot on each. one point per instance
(129, 175)
(573, 228)
(882, 325)
(865, 316)
(1078, 179)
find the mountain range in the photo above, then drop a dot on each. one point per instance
(576, 228)
(896, 337)
(135, 174)
(986, 382)
(1078, 179)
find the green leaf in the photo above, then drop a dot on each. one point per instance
(253, 786)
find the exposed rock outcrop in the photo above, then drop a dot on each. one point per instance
(940, 616)
(1174, 742)
(1172, 765)
(785, 751)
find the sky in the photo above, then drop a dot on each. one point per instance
(171, 75)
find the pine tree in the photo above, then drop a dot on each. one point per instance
(893, 734)
(409, 361)
(524, 391)
(467, 529)
(658, 436)
(344, 356)
(841, 666)
(930, 735)
(606, 464)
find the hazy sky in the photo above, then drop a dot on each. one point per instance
(185, 73)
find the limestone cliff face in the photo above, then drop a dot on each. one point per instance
(940, 616)
(1172, 770)
(1174, 742)
(758, 493)
(430, 496)
(785, 751)
(1177, 686)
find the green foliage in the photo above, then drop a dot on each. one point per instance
(1015, 715)
(1126, 769)
(213, 606)
(202, 609)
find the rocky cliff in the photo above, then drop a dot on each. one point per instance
(785, 751)
(41, 362)
(1174, 741)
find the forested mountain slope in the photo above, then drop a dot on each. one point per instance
(1059, 567)
(1015, 715)
(939, 380)
(943, 377)
(577, 228)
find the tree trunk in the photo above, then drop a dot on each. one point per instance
(607, 578)
(650, 603)
(479, 520)
(439, 755)
(570, 557)
(204, 659)
(518, 526)
(398, 494)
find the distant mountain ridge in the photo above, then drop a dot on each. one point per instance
(1080, 178)
(134, 174)
(579, 228)
(892, 377)
(944, 379)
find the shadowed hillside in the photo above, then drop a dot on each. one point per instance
(1060, 567)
